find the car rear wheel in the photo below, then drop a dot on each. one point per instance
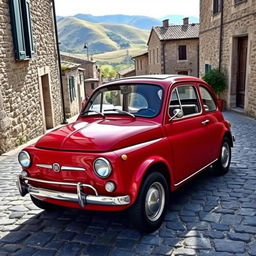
(222, 165)
(42, 204)
(148, 211)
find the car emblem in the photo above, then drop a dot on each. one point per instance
(56, 167)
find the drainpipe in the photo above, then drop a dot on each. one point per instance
(59, 62)
(221, 34)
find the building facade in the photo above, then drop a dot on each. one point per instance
(73, 86)
(228, 42)
(141, 64)
(174, 49)
(30, 91)
(92, 77)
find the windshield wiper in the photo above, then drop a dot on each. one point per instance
(121, 112)
(93, 111)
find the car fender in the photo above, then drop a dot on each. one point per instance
(144, 169)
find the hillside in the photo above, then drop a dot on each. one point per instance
(100, 37)
(142, 22)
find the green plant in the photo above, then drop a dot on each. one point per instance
(216, 79)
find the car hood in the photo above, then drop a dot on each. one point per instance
(100, 135)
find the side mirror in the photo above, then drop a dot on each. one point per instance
(177, 112)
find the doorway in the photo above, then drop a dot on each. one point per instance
(242, 48)
(47, 103)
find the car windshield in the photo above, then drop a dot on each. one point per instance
(144, 100)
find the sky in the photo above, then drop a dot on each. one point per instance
(156, 9)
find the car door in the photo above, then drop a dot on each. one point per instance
(213, 126)
(187, 135)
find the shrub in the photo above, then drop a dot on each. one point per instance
(216, 79)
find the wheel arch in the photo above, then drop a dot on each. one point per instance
(148, 167)
(228, 135)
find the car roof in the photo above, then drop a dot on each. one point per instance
(160, 79)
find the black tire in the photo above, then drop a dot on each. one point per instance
(43, 205)
(148, 217)
(221, 167)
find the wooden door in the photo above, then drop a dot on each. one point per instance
(241, 72)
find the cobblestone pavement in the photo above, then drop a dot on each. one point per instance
(209, 216)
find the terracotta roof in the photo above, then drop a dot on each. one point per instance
(126, 71)
(142, 54)
(176, 32)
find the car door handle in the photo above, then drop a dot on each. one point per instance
(205, 122)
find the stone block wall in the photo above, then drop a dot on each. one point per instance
(22, 110)
(239, 20)
(172, 63)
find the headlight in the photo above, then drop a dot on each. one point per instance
(102, 167)
(24, 159)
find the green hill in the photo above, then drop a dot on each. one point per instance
(100, 37)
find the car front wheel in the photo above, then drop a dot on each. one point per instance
(223, 162)
(149, 209)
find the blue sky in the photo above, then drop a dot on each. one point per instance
(130, 7)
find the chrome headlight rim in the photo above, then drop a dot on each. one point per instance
(106, 161)
(28, 158)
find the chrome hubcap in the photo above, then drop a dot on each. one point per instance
(155, 201)
(225, 155)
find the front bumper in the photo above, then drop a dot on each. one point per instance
(79, 197)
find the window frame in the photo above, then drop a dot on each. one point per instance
(21, 23)
(72, 88)
(213, 99)
(216, 7)
(180, 102)
(182, 50)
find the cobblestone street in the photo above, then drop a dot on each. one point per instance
(209, 216)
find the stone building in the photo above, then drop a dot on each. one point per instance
(126, 72)
(141, 64)
(228, 41)
(30, 91)
(73, 86)
(92, 74)
(174, 49)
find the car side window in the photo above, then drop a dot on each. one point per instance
(184, 97)
(209, 104)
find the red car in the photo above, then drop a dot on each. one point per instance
(135, 141)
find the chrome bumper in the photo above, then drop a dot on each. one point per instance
(78, 197)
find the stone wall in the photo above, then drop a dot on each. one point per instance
(73, 107)
(172, 63)
(154, 54)
(141, 64)
(239, 20)
(22, 109)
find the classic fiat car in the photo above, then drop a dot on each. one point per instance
(136, 140)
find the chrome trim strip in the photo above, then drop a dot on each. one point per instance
(63, 168)
(88, 199)
(177, 184)
(47, 166)
(61, 183)
(71, 168)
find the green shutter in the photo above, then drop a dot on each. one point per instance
(17, 29)
(29, 30)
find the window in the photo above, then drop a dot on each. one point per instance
(216, 6)
(239, 1)
(207, 68)
(144, 100)
(209, 104)
(92, 86)
(182, 52)
(72, 88)
(184, 97)
(21, 29)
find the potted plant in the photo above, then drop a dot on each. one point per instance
(216, 78)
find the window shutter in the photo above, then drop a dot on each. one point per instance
(29, 30)
(17, 30)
